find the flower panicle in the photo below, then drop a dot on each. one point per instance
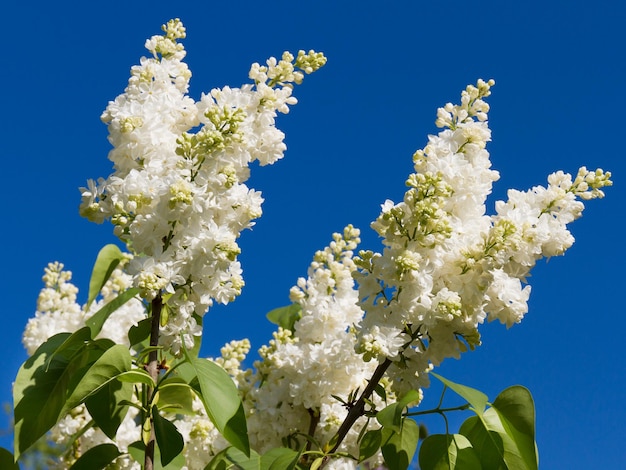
(177, 196)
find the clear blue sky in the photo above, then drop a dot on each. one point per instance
(560, 73)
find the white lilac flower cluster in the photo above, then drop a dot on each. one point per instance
(59, 312)
(301, 372)
(446, 266)
(178, 199)
(177, 196)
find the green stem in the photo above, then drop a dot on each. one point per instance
(438, 410)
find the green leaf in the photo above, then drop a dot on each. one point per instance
(42, 385)
(234, 458)
(221, 401)
(136, 376)
(7, 461)
(487, 444)
(176, 396)
(391, 416)
(398, 448)
(220, 461)
(168, 438)
(108, 259)
(97, 458)
(516, 409)
(107, 407)
(285, 317)
(231, 458)
(280, 458)
(96, 321)
(370, 444)
(504, 436)
(137, 452)
(448, 452)
(476, 398)
(112, 363)
(140, 332)
(71, 345)
(381, 392)
(216, 464)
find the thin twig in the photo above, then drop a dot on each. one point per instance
(358, 408)
(153, 369)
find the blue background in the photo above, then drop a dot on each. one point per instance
(558, 103)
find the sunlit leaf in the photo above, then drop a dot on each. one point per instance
(221, 401)
(487, 444)
(477, 399)
(516, 410)
(370, 443)
(280, 458)
(136, 376)
(398, 448)
(96, 321)
(231, 458)
(176, 396)
(106, 262)
(448, 452)
(504, 436)
(285, 317)
(391, 416)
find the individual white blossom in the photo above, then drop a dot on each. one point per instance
(177, 196)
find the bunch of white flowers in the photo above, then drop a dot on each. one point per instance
(59, 312)
(447, 266)
(303, 373)
(177, 197)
